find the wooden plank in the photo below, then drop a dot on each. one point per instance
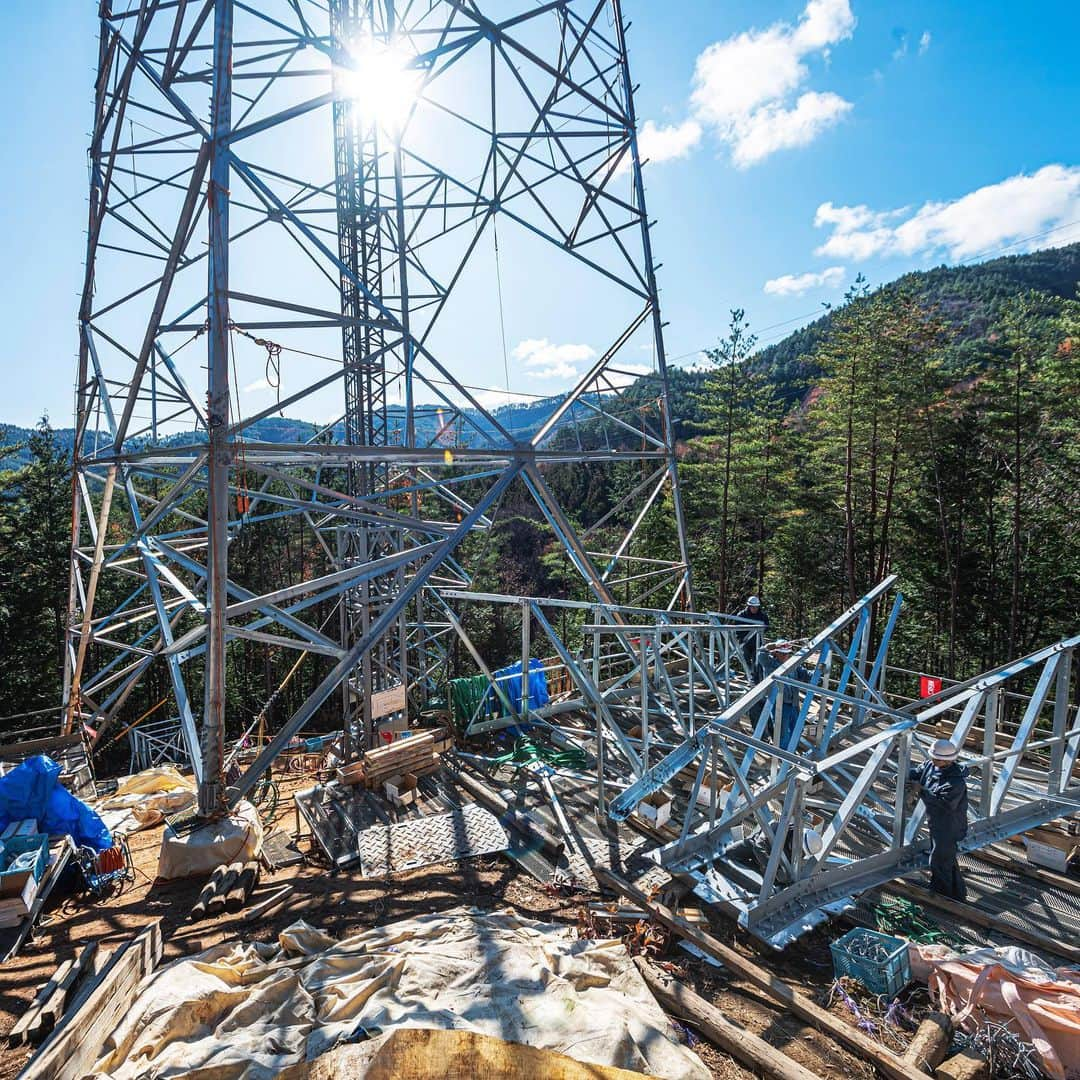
(22, 750)
(71, 1050)
(86, 965)
(29, 1022)
(781, 992)
(269, 904)
(51, 876)
(741, 1044)
(977, 917)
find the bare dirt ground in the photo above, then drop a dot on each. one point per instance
(342, 902)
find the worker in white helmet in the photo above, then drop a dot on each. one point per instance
(941, 786)
(750, 639)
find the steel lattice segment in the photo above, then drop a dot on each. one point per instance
(256, 227)
(795, 798)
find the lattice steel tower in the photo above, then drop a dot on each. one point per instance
(293, 207)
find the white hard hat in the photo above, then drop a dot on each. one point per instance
(754, 601)
(812, 842)
(943, 750)
(781, 645)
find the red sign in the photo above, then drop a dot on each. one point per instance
(929, 685)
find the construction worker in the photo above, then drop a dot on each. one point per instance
(750, 639)
(941, 785)
(769, 658)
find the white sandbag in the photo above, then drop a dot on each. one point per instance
(237, 837)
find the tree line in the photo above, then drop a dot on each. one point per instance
(962, 479)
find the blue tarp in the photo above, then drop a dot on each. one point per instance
(33, 790)
(509, 680)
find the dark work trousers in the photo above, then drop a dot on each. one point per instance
(945, 876)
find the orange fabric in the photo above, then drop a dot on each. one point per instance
(1042, 1008)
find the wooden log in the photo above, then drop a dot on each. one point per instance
(781, 992)
(269, 904)
(30, 1020)
(743, 1045)
(71, 1050)
(225, 884)
(977, 917)
(930, 1044)
(199, 909)
(242, 888)
(967, 1065)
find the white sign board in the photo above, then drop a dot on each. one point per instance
(385, 702)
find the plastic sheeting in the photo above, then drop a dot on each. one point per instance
(1041, 1004)
(249, 1010)
(237, 837)
(143, 800)
(509, 679)
(33, 790)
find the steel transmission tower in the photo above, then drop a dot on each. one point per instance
(351, 216)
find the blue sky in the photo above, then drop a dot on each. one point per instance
(793, 145)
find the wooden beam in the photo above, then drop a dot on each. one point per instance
(270, 904)
(743, 1045)
(977, 917)
(791, 999)
(28, 1023)
(89, 963)
(70, 1052)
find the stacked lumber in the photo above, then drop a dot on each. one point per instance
(418, 754)
(75, 1043)
(228, 889)
(53, 997)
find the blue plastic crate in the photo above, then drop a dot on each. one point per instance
(12, 881)
(888, 975)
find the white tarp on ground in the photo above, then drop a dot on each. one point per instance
(248, 1010)
(144, 799)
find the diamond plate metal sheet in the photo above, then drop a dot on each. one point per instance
(405, 845)
(627, 859)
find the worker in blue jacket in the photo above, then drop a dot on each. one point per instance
(941, 785)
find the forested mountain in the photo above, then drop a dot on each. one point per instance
(929, 428)
(969, 298)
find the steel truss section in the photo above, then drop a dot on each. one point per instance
(250, 220)
(786, 833)
(611, 659)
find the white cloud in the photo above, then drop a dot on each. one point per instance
(667, 143)
(924, 42)
(494, 398)
(543, 360)
(1018, 212)
(746, 87)
(797, 284)
(775, 128)
(258, 384)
